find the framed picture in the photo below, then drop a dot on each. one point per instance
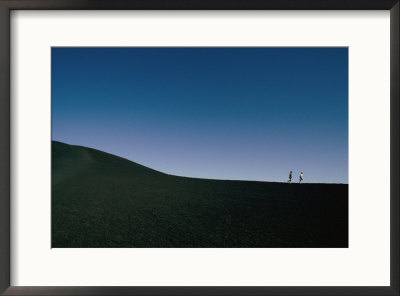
(170, 148)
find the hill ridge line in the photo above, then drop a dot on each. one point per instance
(187, 177)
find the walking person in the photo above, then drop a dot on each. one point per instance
(301, 177)
(290, 177)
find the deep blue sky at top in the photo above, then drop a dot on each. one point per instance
(223, 113)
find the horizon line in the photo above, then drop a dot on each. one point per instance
(236, 180)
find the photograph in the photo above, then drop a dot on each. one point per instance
(199, 147)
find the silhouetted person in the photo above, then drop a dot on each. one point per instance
(301, 177)
(290, 177)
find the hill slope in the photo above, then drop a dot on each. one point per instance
(101, 200)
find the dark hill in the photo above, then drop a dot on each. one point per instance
(101, 200)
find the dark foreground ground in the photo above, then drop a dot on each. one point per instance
(104, 201)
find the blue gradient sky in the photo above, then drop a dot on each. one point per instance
(223, 113)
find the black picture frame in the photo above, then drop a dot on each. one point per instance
(7, 6)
